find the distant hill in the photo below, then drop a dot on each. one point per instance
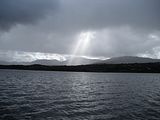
(77, 61)
(117, 64)
(48, 62)
(127, 68)
(84, 61)
(128, 59)
(5, 63)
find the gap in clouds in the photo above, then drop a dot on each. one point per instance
(20, 56)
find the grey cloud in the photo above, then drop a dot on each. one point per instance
(34, 39)
(108, 42)
(81, 14)
(97, 14)
(14, 12)
(124, 41)
(56, 33)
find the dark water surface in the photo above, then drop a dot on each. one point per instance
(40, 95)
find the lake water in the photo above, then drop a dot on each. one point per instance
(43, 95)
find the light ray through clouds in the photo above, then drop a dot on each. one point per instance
(82, 45)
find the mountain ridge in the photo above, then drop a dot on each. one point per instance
(77, 61)
(128, 59)
(85, 61)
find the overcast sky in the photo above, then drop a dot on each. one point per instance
(119, 27)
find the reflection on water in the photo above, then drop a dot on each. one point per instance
(38, 95)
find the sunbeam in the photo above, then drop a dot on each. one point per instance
(83, 41)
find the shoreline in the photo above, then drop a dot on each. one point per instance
(103, 68)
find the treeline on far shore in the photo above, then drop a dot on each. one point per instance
(132, 68)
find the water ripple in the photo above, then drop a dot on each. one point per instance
(38, 95)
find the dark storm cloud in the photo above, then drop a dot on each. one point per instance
(82, 14)
(97, 14)
(14, 12)
(122, 27)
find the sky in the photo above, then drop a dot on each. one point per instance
(54, 29)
